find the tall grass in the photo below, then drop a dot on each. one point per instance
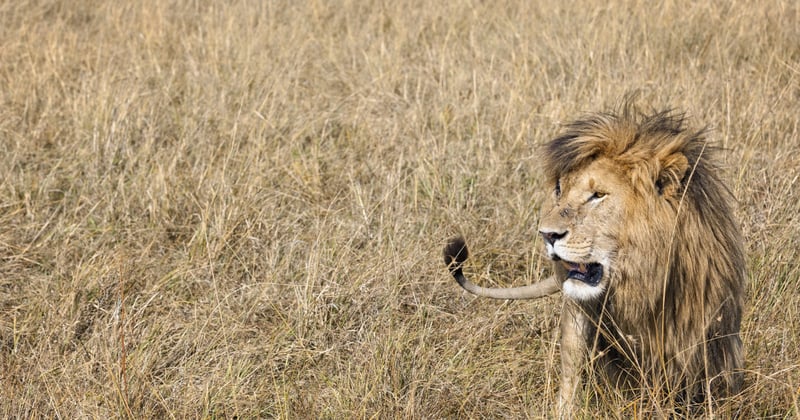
(218, 209)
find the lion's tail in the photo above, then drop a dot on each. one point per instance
(455, 253)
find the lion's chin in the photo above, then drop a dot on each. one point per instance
(580, 291)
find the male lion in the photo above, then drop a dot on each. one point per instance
(647, 253)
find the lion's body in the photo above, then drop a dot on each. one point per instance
(648, 255)
(640, 195)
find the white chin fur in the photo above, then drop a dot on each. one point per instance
(578, 290)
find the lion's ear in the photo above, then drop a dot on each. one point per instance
(670, 177)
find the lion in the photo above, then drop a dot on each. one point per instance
(645, 249)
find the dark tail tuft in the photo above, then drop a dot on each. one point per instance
(455, 253)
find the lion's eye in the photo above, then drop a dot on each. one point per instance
(597, 195)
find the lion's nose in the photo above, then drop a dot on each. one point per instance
(552, 236)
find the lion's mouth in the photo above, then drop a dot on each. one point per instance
(590, 273)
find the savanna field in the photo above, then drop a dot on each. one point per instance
(237, 209)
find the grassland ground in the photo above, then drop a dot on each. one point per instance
(218, 209)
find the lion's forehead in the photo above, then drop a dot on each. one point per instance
(599, 176)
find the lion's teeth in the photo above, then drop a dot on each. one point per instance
(571, 266)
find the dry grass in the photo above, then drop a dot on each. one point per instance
(252, 197)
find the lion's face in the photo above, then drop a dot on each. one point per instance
(581, 227)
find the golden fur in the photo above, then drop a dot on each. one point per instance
(645, 247)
